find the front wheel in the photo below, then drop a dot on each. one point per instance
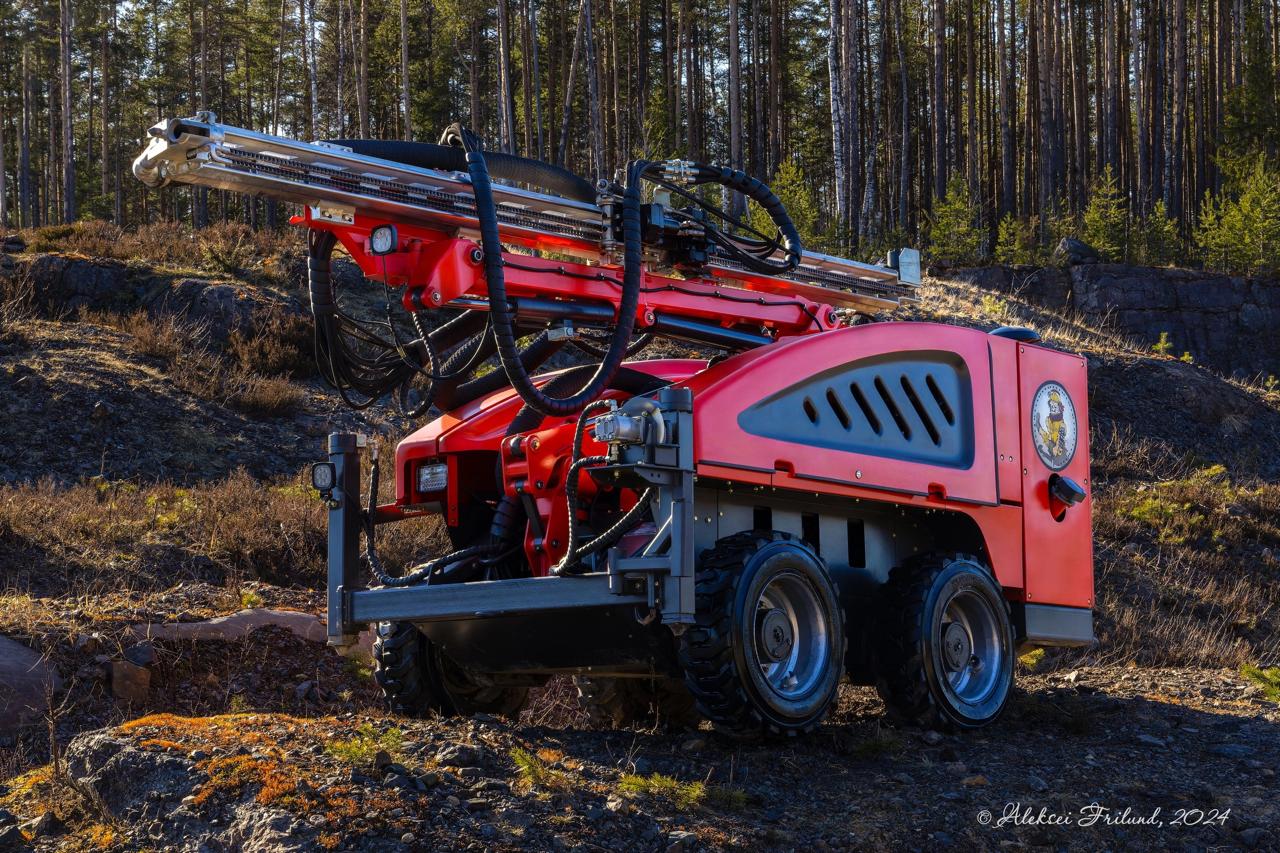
(418, 679)
(767, 652)
(946, 654)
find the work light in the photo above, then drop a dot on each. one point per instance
(432, 477)
(383, 240)
(323, 476)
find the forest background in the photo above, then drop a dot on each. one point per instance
(980, 129)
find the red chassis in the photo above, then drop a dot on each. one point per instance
(874, 443)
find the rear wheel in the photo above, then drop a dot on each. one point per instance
(418, 679)
(617, 702)
(768, 648)
(946, 655)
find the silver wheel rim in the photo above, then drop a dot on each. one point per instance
(973, 650)
(791, 636)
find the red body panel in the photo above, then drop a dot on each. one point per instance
(1008, 419)
(725, 390)
(1058, 541)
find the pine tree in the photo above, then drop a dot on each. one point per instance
(1106, 219)
(953, 239)
(1015, 242)
(1159, 243)
(1242, 234)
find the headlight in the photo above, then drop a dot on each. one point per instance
(383, 240)
(323, 476)
(433, 477)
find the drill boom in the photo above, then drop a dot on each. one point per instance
(336, 185)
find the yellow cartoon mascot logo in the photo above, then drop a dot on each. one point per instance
(1053, 424)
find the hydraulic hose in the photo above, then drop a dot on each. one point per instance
(500, 308)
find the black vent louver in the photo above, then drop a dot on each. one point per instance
(915, 406)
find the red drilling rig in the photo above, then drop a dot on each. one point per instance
(826, 496)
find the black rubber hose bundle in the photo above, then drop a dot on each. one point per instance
(503, 318)
(759, 192)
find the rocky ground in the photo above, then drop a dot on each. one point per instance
(1089, 759)
(138, 500)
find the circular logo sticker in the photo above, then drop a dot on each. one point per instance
(1053, 425)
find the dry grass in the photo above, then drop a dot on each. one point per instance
(18, 306)
(277, 344)
(224, 248)
(102, 547)
(149, 537)
(196, 368)
(965, 304)
(1187, 562)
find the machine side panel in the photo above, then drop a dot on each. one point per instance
(1058, 540)
(751, 414)
(914, 406)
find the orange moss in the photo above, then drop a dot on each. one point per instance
(232, 774)
(329, 840)
(101, 836)
(163, 745)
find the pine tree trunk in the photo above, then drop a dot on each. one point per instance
(1008, 154)
(313, 83)
(105, 99)
(775, 85)
(362, 71)
(200, 200)
(737, 206)
(1178, 110)
(835, 72)
(562, 150)
(5, 60)
(853, 147)
(939, 99)
(870, 187)
(404, 69)
(69, 212)
(904, 171)
(593, 93)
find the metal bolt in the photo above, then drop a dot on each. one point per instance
(858, 474)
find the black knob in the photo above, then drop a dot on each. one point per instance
(1065, 489)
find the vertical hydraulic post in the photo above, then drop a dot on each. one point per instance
(344, 534)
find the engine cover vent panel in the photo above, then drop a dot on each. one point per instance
(912, 406)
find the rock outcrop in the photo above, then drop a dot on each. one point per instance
(26, 681)
(1230, 323)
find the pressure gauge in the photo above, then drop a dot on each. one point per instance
(383, 240)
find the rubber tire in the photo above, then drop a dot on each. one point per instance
(718, 655)
(907, 677)
(620, 702)
(418, 680)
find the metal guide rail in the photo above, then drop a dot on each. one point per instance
(336, 183)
